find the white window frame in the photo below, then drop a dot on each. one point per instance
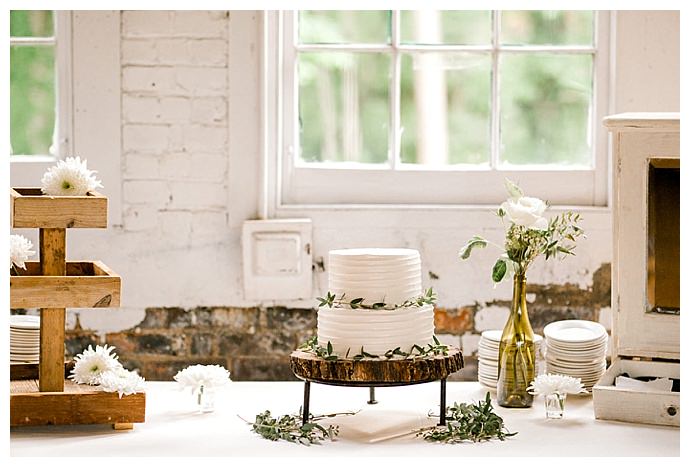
(26, 166)
(297, 187)
(88, 65)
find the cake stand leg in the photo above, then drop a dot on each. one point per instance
(372, 396)
(305, 405)
(443, 402)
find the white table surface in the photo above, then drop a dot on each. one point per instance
(173, 428)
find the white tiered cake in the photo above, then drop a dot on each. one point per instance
(377, 275)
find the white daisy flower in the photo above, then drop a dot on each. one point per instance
(69, 178)
(195, 377)
(555, 384)
(20, 250)
(121, 381)
(91, 364)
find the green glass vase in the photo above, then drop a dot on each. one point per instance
(516, 352)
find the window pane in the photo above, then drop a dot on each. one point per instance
(445, 108)
(547, 27)
(360, 27)
(546, 109)
(33, 23)
(344, 106)
(445, 27)
(32, 99)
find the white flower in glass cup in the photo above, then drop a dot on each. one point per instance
(203, 380)
(122, 381)
(70, 177)
(20, 251)
(555, 388)
(92, 363)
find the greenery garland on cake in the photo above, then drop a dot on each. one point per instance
(311, 345)
(331, 301)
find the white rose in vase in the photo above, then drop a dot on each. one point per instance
(527, 212)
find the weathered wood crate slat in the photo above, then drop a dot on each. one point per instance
(88, 284)
(31, 209)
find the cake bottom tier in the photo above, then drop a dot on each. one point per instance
(376, 331)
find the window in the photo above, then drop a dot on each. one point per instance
(39, 83)
(438, 107)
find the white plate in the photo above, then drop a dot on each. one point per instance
(574, 331)
(492, 335)
(577, 348)
(575, 365)
(575, 356)
(25, 321)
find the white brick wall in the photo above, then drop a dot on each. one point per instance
(175, 126)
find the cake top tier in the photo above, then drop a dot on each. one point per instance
(390, 275)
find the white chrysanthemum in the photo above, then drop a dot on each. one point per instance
(208, 376)
(91, 364)
(553, 383)
(121, 381)
(69, 178)
(20, 250)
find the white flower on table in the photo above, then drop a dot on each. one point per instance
(122, 381)
(91, 364)
(524, 210)
(555, 384)
(69, 178)
(196, 377)
(20, 251)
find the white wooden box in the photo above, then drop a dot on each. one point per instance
(645, 272)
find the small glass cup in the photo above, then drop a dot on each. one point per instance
(555, 405)
(206, 399)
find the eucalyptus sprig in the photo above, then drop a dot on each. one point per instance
(416, 351)
(290, 428)
(468, 422)
(331, 301)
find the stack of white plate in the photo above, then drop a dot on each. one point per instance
(24, 338)
(576, 348)
(487, 368)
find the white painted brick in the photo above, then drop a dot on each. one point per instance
(138, 52)
(449, 339)
(149, 192)
(213, 52)
(145, 138)
(175, 109)
(470, 343)
(194, 167)
(200, 23)
(146, 23)
(138, 218)
(605, 317)
(138, 166)
(209, 226)
(202, 195)
(209, 110)
(200, 81)
(140, 109)
(176, 227)
(205, 139)
(158, 80)
(491, 317)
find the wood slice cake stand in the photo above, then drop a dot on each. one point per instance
(374, 373)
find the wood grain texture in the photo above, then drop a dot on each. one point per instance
(372, 372)
(29, 208)
(76, 405)
(26, 371)
(52, 353)
(86, 285)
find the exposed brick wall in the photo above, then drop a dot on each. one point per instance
(254, 343)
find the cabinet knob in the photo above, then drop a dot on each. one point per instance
(671, 410)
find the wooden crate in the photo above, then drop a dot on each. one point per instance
(644, 342)
(88, 284)
(78, 404)
(29, 208)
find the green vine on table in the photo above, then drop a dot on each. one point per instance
(331, 301)
(290, 428)
(468, 422)
(311, 345)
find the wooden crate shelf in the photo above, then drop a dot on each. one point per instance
(29, 208)
(78, 404)
(88, 284)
